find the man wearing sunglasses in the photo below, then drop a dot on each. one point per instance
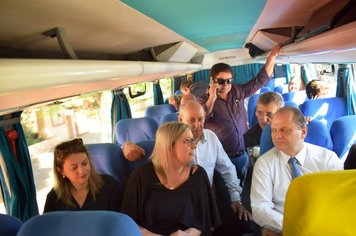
(224, 105)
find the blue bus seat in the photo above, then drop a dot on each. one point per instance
(281, 89)
(109, 159)
(265, 89)
(135, 129)
(318, 134)
(158, 111)
(166, 101)
(79, 223)
(178, 92)
(325, 109)
(317, 202)
(169, 118)
(291, 103)
(148, 146)
(271, 84)
(9, 225)
(251, 109)
(298, 97)
(343, 134)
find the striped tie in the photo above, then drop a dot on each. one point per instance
(295, 169)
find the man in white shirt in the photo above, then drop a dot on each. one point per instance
(210, 154)
(273, 173)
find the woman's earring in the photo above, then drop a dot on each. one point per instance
(64, 176)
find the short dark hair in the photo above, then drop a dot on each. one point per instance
(220, 67)
(186, 83)
(269, 97)
(298, 118)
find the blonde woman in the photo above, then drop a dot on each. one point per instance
(169, 196)
(77, 185)
(296, 84)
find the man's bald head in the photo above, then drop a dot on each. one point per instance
(193, 114)
(187, 97)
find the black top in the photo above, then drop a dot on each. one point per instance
(164, 211)
(108, 198)
(253, 136)
(350, 162)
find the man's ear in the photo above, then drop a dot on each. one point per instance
(180, 119)
(304, 132)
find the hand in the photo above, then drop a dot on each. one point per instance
(308, 119)
(212, 90)
(242, 211)
(275, 50)
(267, 232)
(180, 233)
(132, 152)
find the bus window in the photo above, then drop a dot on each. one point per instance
(139, 104)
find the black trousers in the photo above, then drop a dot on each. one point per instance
(231, 224)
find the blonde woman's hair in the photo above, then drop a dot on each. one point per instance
(166, 137)
(62, 185)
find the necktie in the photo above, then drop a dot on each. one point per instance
(295, 169)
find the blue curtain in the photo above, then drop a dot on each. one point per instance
(346, 88)
(157, 94)
(120, 109)
(303, 74)
(202, 75)
(17, 181)
(288, 73)
(242, 74)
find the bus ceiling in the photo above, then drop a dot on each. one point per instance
(127, 42)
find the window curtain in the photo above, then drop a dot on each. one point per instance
(120, 109)
(288, 73)
(157, 94)
(346, 87)
(202, 75)
(304, 74)
(16, 177)
(242, 74)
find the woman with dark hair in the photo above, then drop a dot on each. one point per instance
(170, 196)
(77, 185)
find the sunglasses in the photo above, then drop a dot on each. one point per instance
(222, 81)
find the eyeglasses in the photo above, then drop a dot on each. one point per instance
(268, 114)
(189, 141)
(222, 81)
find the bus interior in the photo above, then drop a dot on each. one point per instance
(55, 51)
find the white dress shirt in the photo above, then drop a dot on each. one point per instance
(210, 154)
(272, 175)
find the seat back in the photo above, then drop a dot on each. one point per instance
(343, 134)
(296, 96)
(109, 159)
(318, 134)
(158, 111)
(321, 203)
(251, 109)
(281, 89)
(148, 146)
(265, 89)
(135, 129)
(9, 225)
(291, 103)
(78, 223)
(325, 109)
(171, 117)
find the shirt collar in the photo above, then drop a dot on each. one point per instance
(203, 139)
(300, 156)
